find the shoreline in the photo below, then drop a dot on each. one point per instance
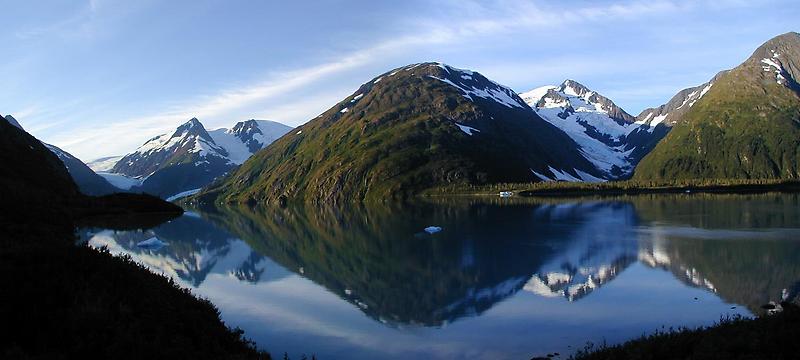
(564, 189)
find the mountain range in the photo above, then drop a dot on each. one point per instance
(189, 157)
(429, 125)
(410, 129)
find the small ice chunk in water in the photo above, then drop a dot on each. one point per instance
(432, 229)
(152, 243)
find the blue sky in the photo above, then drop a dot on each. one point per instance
(100, 77)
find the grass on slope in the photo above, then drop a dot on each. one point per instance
(745, 127)
(769, 337)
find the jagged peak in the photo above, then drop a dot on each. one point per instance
(777, 50)
(244, 123)
(559, 96)
(574, 88)
(191, 127)
(246, 126)
(193, 122)
(789, 38)
(11, 120)
(533, 96)
(471, 84)
(552, 98)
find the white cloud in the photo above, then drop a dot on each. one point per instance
(467, 23)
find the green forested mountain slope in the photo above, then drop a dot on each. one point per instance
(747, 126)
(410, 129)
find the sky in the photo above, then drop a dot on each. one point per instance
(100, 77)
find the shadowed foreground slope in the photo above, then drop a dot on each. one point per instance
(769, 337)
(66, 301)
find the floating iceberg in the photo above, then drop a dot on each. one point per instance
(152, 243)
(432, 229)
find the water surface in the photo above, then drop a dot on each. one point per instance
(504, 278)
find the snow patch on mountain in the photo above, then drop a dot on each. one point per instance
(184, 194)
(467, 129)
(562, 175)
(702, 92)
(472, 85)
(205, 148)
(533, 96)
(236, 149)
(61, 154)
(657, 120)
(669, 113)
(120, 181)
(104, 163)
(774, 62)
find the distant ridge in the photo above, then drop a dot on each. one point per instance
(191, 157)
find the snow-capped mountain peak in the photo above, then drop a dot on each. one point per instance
(246, 137)
(189, 138)
(233, 145)
(595, 122)
(190, 157)
(574, 88)
(533, 96)
(471, 84)
(582, 99)
(191, 127)
(258, 133)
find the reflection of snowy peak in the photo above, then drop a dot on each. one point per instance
(591, 258)
(575, 283)
(597, 124)
(474, 302)
(656, 256)
(192, 260)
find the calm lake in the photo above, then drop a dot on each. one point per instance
(503, 279)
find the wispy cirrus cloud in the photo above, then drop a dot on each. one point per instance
(456, 25)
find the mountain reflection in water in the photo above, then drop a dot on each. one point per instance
(738, 249)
